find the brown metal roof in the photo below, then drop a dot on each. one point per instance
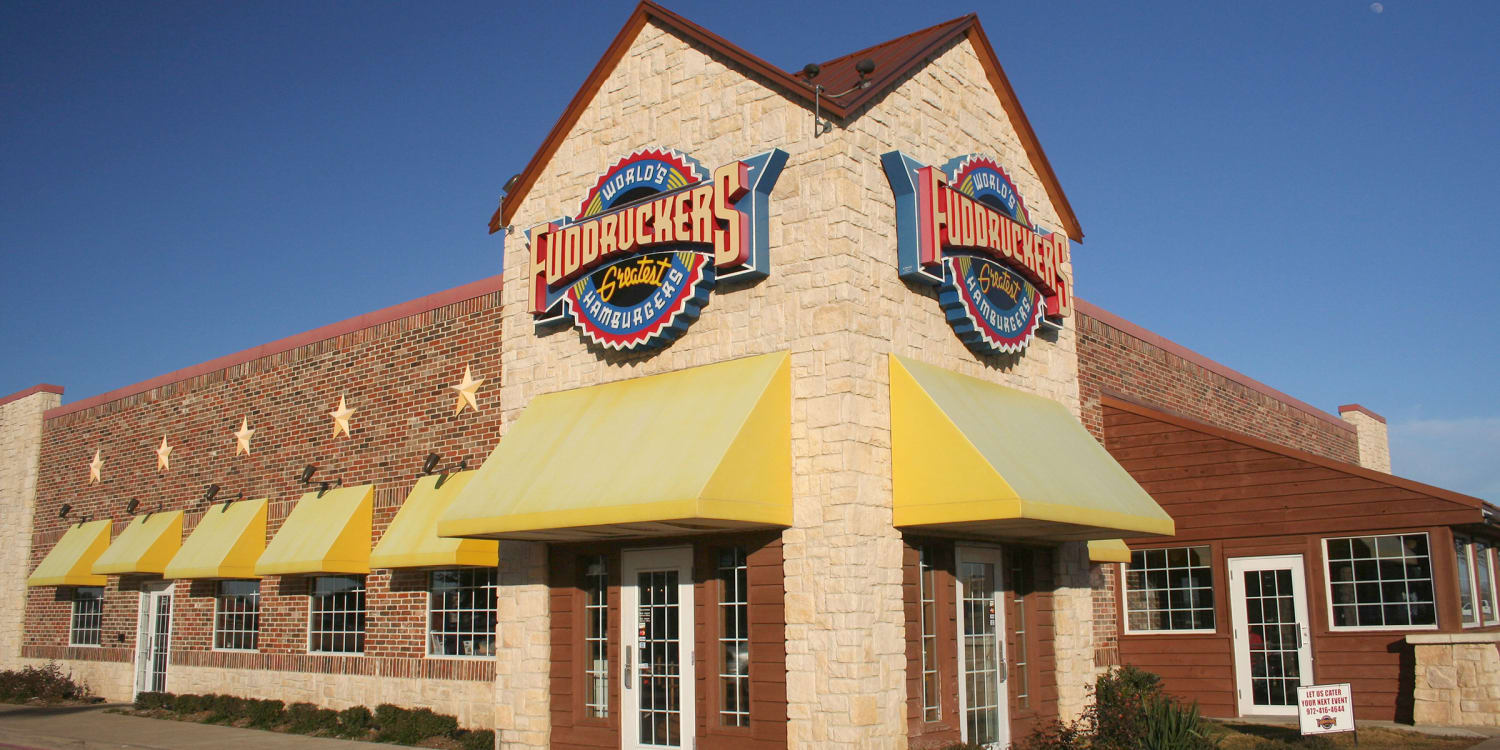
(893, 60)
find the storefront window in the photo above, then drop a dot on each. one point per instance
(734, 638)
(1169, 590)
(1476, 582)
(1466, 612)
(596, 636)
(1380, 581)
(88, 616)
(1484, 580)
(932, 707)
(461, 612)
(337, 615)
(1022, 583)
(237, 615)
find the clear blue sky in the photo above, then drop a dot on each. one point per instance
(1302, 190)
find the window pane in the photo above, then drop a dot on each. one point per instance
(1380, 581)
(461, 612)
(336, 615)
(1170, 589)
(237, 615)
(734, 638)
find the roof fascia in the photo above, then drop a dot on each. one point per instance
(1135, 407)
(889, 77)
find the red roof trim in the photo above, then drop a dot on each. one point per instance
(1136, 407)
(333, 330)
(1366, 412)
(793, 85)
(1127, 327)
(38, 388)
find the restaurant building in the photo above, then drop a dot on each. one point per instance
(780, 428)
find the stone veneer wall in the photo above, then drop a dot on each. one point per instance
(835, 302)
(1457, 679)
(471, 701)
(1374, 439)
(20, 446)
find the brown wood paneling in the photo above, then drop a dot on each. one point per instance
(765, 580)
(944, 730)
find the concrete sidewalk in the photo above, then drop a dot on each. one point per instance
(91, 728)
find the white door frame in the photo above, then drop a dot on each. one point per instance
(1237, 567)
(145, 632)
(989, 555)
(632, 563)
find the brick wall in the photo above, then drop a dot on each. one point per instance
(395, 368)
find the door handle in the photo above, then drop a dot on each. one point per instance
(629, 651)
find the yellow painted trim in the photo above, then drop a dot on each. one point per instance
(328, 534)
(411, 540)
(1108, 551)
(967, 451)
(146, 545)
(708, 444)
(70, 561)
(225, 543)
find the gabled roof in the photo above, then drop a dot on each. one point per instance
(893, 59)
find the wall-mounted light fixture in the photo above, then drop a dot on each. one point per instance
(132, 505)
(822, 126)
(64, 510)
(430, 465)
(212, 491)
(510, 186)
(324, 484)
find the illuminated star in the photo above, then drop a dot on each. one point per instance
(340, 417)
(242, 437)
(95, 467)
(467, 388)
(163, 455)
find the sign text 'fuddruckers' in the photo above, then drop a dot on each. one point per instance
(650, 240)
(965, 230)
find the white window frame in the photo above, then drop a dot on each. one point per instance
(219, 597)
(1490, 558)
(493, 586)
(1213, 589)
(311, 613)
(1328, 586)
(73, 618)
(1472, 549)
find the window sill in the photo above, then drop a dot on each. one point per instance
(1171, 632)
(460, 657)
(85, 645)
(1377, 628)
(216, 649)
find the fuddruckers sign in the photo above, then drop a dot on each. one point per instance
(650, 240)
(965, 230)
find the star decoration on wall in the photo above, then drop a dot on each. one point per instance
(242, 437)
(467, 390)
(340, 417)
(163, 455)
(95, 467)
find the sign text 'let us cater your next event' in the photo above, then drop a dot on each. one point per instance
(696, 214)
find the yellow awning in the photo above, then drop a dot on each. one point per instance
(225, 544)
(145, 546)
(1108, 550)
(71, 561)
(976, 458)
(328, 534)
(411, 541)
(688, 451)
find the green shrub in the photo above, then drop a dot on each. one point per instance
(1128, 711)
(47, 684)
(1169, 725)
(302, 718)
(408, 727)
(264, 714)
(1055, 735)
(226, 709)
(189, 704)
(153, 701)
(356, 721)
(387, 715)
(480, 739)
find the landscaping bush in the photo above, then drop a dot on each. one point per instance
(302, 718)
(226, 709)
(1128, 711)
(189, 704)
(481, 739)
(356, 721)
(46, 684)
(264, 714)
(153, 701)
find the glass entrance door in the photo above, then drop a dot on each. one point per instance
(981, 651)
(153, 639)
(1272, 655)
(657, 639)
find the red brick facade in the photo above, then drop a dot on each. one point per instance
(395, 367)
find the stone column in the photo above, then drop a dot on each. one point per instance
(20, 448)
(523, 665)
(1073, 629)
(1374, 444)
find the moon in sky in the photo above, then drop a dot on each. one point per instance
(1377, 8)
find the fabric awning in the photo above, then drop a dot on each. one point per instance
(71, 561)
(145, 546)
(973, 457)
(411, 541)
(695, 450)
(225, 544)
(328, 534)
(1108, 550)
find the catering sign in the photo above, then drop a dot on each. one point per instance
(965, 230)
(651, 240)
(1325, 709)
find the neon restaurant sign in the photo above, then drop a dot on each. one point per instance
(964, 230)
(650, 241)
